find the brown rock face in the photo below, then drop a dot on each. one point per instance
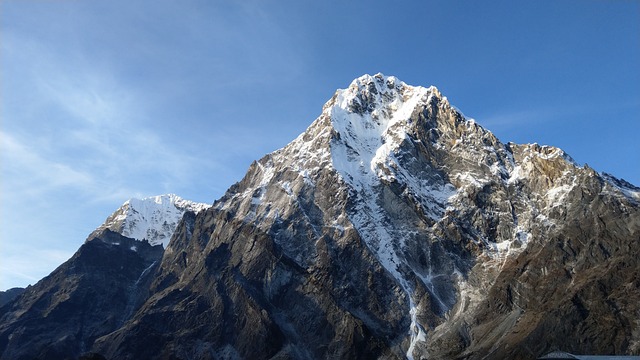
(395, 228)
(575, 289)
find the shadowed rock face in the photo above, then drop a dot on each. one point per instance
(392, 228)
(88, 296)
(576, 288)
(7, 296)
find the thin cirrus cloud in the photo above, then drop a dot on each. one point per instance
(24, 268)
(91, 118)
(31, 174)
(92, 126)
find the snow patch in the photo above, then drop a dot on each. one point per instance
(557, 194)
(286, 186)
(371, 118)
(515, 175)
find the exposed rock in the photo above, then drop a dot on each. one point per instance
(88, 296)
(7, 296)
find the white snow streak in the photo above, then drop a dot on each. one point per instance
(364, 155)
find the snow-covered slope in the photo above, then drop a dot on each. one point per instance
(153, 218)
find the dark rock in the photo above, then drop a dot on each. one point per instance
(88, 296)
(7, 296)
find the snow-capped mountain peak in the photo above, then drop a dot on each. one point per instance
(392, 226)
(371, 118)
(153, 218)
(390, 153)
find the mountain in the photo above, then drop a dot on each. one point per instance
(152, 219)
(393, 228)
(95, 291)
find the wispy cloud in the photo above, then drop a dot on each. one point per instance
(86, 95)
(27, 171)
(96, 134)
(23, 268)
(513, 119)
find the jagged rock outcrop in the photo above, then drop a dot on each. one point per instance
(396, 228)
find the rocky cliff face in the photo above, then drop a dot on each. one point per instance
(396, 228)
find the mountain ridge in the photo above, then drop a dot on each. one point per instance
(393, 227)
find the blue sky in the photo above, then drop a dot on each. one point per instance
(105, 100)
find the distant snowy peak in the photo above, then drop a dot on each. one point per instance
(153, 218)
